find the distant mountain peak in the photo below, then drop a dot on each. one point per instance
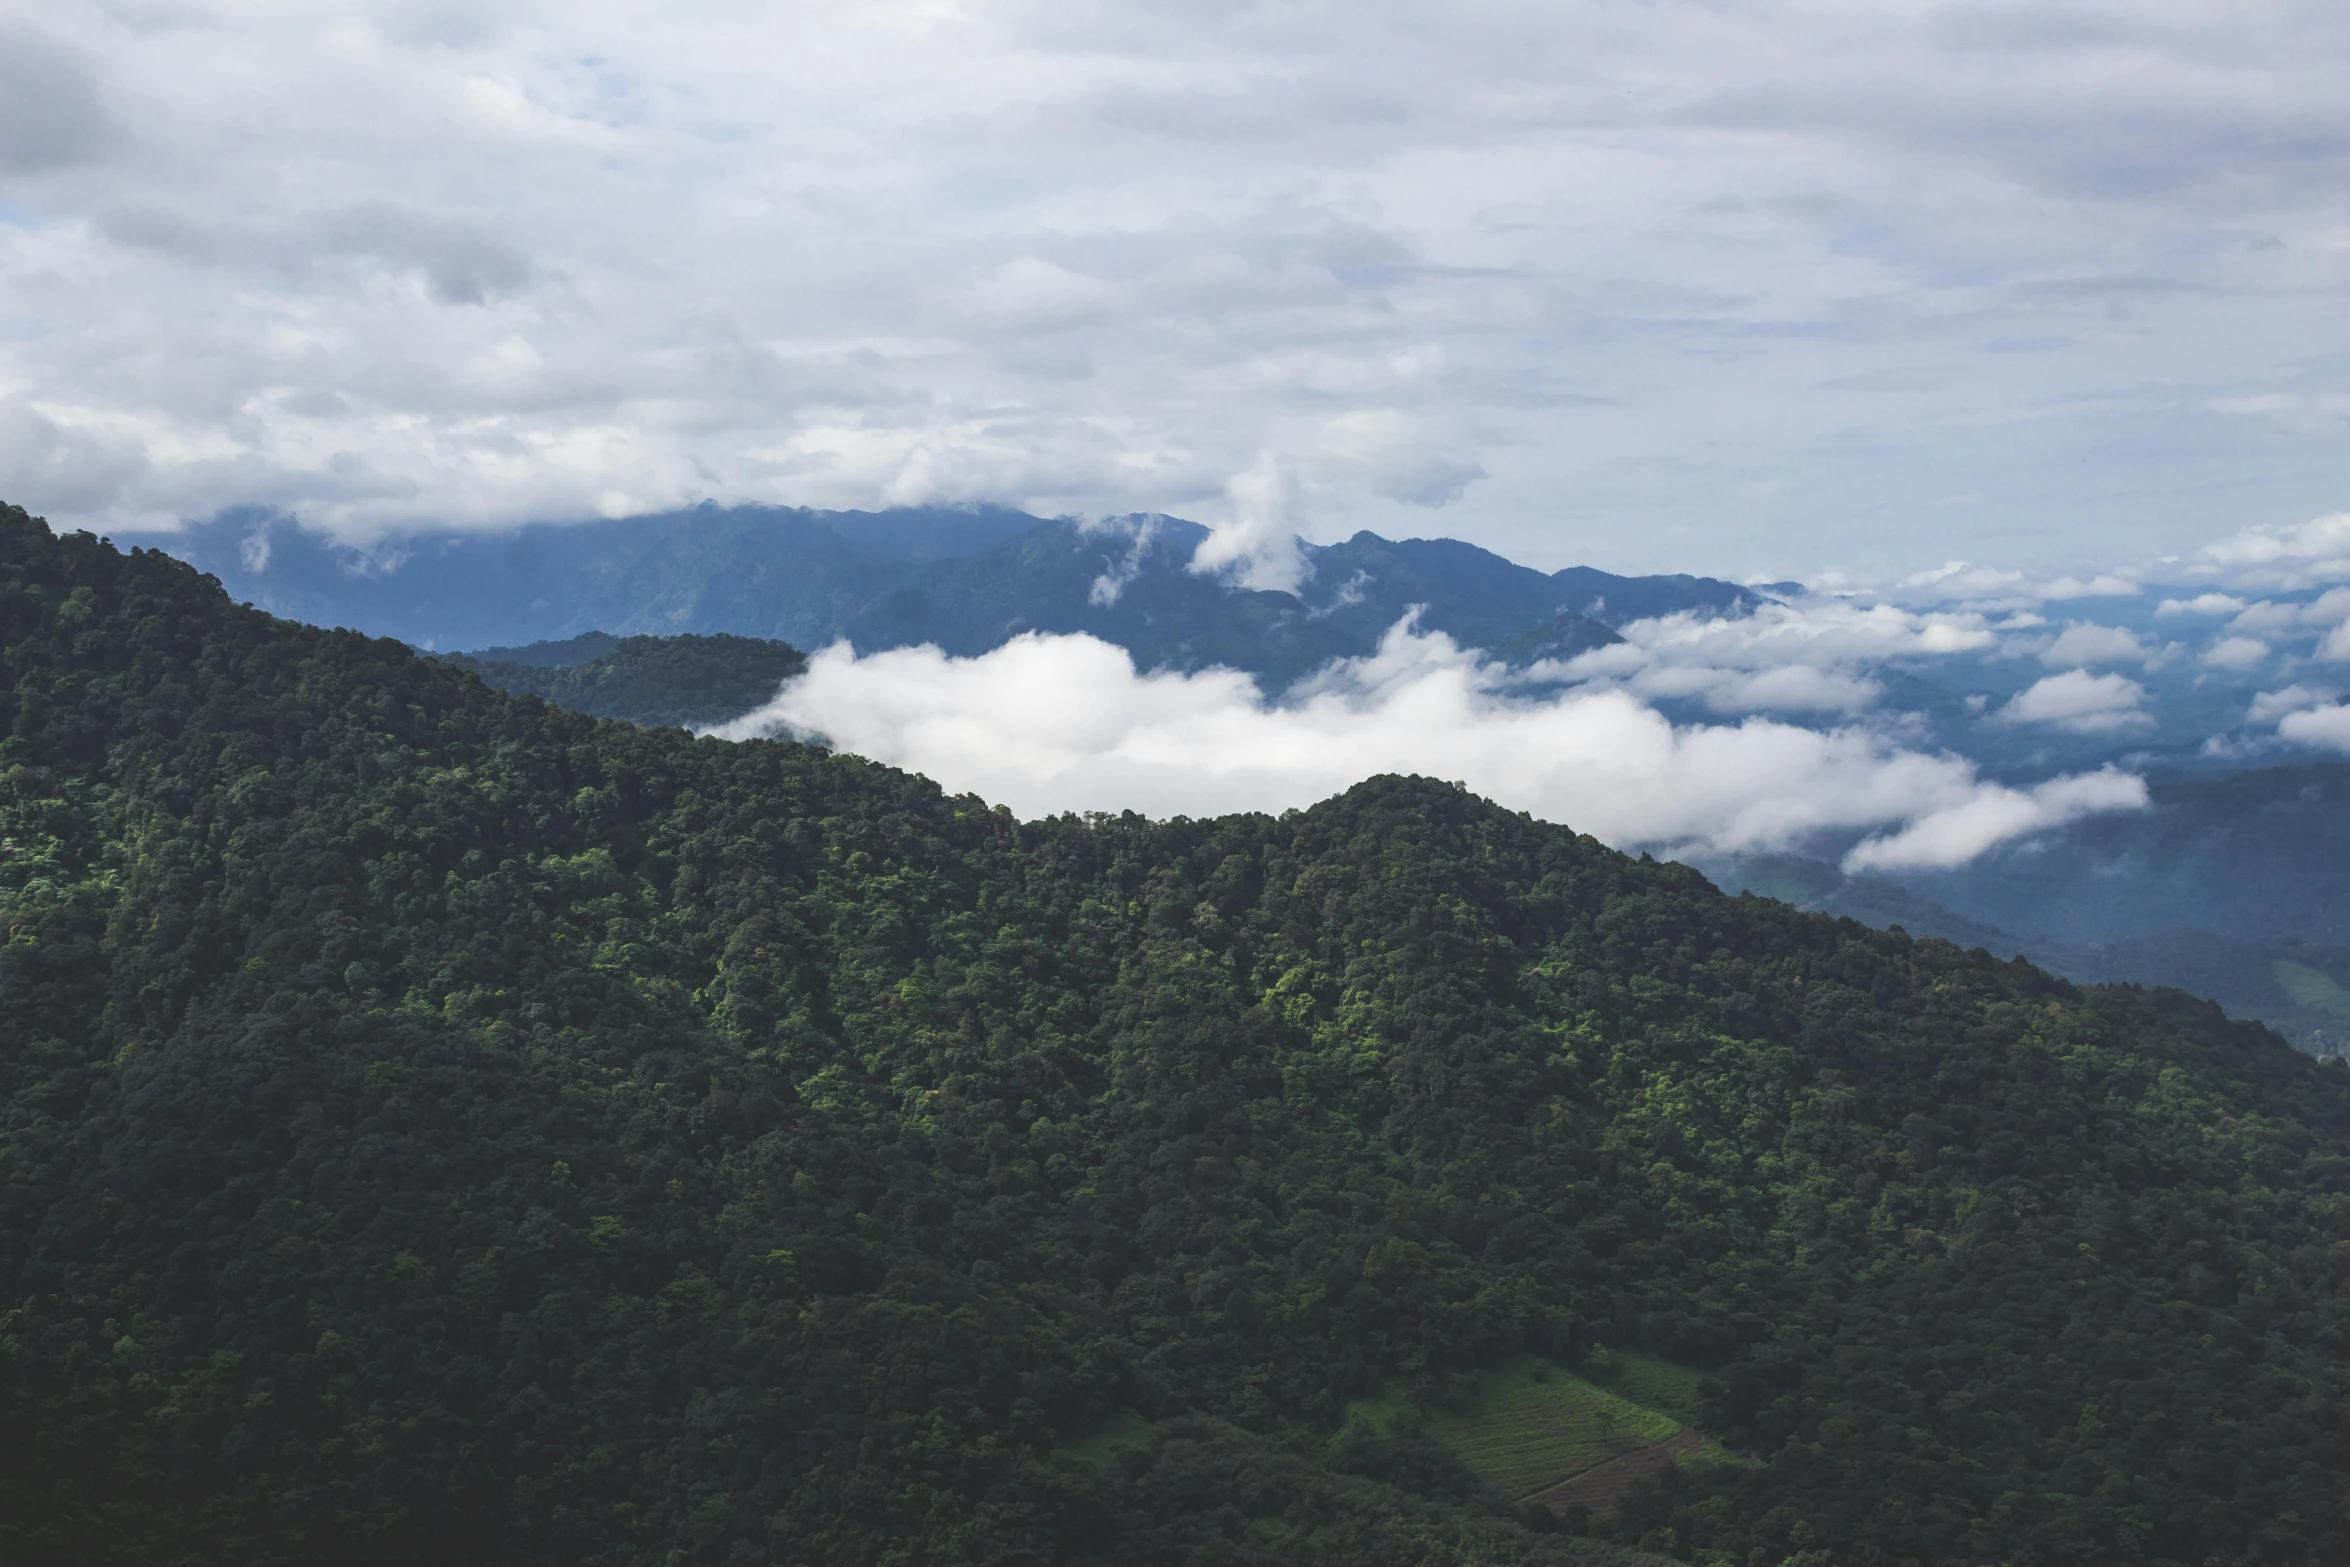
(966, 578)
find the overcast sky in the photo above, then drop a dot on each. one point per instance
(1729, 288)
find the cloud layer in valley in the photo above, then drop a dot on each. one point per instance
(1065, 723)
(1807, 657)
(1671, 286)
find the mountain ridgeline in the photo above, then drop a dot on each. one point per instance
(964, 579)
(2298, 986)
(2107, 901)
(437, 1126)
(692, 681)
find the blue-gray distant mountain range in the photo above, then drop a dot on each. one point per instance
(2236, 886)
(965, 579)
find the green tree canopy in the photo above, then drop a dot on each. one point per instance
(439, 1126)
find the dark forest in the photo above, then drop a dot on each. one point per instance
(438, 1126)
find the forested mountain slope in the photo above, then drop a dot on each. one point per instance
(2261, 853)
(2297, 987)
(691, 681)
(439, 1127)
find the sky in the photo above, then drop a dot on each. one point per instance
(1828, 291)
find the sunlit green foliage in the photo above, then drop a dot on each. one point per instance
(2311, 988)
(1531, 1425)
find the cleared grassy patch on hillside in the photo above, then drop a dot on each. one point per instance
(1649, 1382)
(1123, 1429)
(1530, 1424)
(2311, 988)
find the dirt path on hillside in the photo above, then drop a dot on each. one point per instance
(1596, 1489)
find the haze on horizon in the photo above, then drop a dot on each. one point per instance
(1780, 289)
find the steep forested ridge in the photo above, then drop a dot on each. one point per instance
(442, 1127)
(692, 681)
(2297, 987)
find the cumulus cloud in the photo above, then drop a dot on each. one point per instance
(2265, 618)
(2274, 618)
(2236, 653)
(2319, 726)
(2201, 604)
(2085, 642)
(1994, 816)
(2269, 706)
(1992, 588)
(1055, 723)
(1807, 656)
(2081, 702)
(2295, 556)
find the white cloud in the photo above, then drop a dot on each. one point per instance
(2271, 618)
(1031, 294)
(2201, 604)
(2103, 584)
(2235, 653)
(2085, 642)
(2266, 618)
(1960, 579)
(1809, 656)
(1255, 545)
(2321, 726)
(1810, 631)
(1600, 281)
(1111, 585)
(1996, 815)
(2081, 702)
(2269, 706)
(1990, 588)
(1055, 723)
(2295, 556)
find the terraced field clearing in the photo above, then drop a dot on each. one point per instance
(1532, 1427)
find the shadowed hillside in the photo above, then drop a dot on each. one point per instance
(441, 1127)
(691, 681)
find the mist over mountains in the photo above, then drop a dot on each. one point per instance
(2085, 775)
(444, 1127)
(1117, 785)
(962, 579)
(2236, 888)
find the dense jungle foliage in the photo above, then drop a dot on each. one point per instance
(441, 1127)
(691, 681)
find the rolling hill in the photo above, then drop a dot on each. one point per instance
(691, 681)
(444, 1127)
